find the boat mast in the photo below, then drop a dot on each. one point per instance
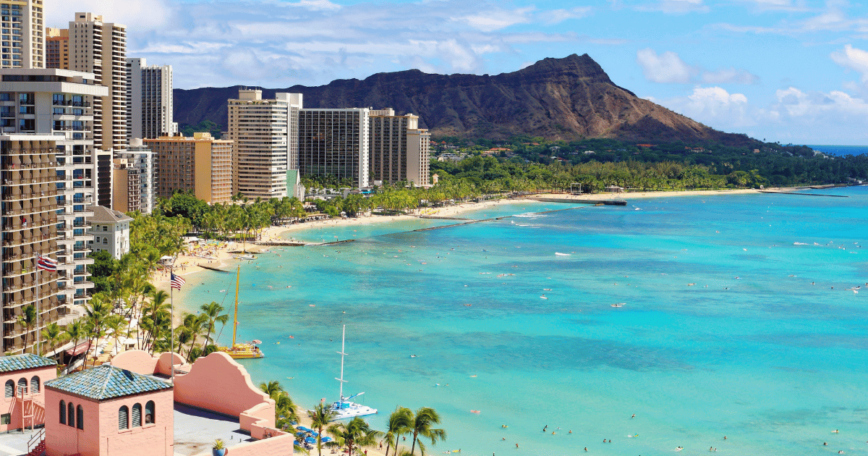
(235, 322)
(343, 342)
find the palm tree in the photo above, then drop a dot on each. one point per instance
(53, 335)
(421, 427)
(75, 332)
(96, 313)
(272, 389)
(212, 313)
(118, 326)
(355, 433)
(400, 423)
(286, 412)
(321, 415)
(27, 319)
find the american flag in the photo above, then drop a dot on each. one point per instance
(45, 263)
(177, 281)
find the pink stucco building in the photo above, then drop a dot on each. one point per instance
(23, 377)
(132, 407)
(107, 410)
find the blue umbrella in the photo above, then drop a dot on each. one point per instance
(327, 439)
(302, 428)
(314, 434)
(310, 440)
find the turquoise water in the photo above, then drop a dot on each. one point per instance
(768, 354)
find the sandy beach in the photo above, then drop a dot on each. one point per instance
(220, 257)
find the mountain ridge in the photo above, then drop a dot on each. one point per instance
(555, 98)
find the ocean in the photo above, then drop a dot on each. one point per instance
(841, 150)
(737, 321)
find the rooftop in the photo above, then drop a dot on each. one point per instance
(106, 382)
(196, 430)
(24, 362)
(106, 215)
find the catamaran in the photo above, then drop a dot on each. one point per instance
(243, 350)
(344, 408)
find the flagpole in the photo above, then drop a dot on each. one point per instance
(172, 321)
(38, 348)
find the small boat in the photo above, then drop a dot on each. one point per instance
(241, 350)
(343, 408)
(561, 254)
(245, 257)
(620, 304)
(543, 297)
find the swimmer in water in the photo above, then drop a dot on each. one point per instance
(634, 416)
(835, 431)
(516, 445)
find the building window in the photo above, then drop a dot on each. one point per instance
(137, 415)
(34, 385)
(6, 418)
(22, 385)
(150, 415)
(62, 412)
(70, 409)
(124, 418)
(10, 388)
(80, 417)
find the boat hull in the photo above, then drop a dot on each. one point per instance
(351, 410)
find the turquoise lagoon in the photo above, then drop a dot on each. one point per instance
(760, 349)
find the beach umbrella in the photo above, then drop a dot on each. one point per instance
(327, 439)
(310, 440)
(302, 428)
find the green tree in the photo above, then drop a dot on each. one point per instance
(400, 423)
(321, 415)
(355, 433)
(27, 319)
(423, 421)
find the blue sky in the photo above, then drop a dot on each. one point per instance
(781, 70)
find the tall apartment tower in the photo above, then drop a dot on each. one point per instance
(149, 100)
(100, 48)
(57, 48)
(261, 130)
(46, 143)
(201, 164)
(23, 32)
(135, 179)
(335, 142)
(399, 149)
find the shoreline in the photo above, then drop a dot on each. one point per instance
(188, 265)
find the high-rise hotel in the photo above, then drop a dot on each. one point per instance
(23, 33)
(149, 100)
(48, 176)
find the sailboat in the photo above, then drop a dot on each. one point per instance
(344, 408)
(243, 350)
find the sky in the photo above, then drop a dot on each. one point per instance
(793, 71)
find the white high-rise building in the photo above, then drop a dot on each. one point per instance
(23, 33)
(100, 48)
(149, 100)
(46, 111)
(265, 135)
(139, 170)
(335, 144)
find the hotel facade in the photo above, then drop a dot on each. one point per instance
(200, 164)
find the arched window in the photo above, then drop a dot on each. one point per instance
(70, 414)
(124, 418)
(34, 385)
(150, 415)
(62, 412)
(22, 386)
(79, 417)
(137, 415)
(10, 388)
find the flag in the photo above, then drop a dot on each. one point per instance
(45, 263)
(177, 281)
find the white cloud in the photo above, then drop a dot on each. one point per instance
(559, 15)
(778, 5)
(681, 6)
(489, 21)
(854, 59)
(138, 14)
(832, 18)
(664, 68)
(669, 68)
(315, 5)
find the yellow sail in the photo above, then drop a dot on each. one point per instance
(242, 350)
